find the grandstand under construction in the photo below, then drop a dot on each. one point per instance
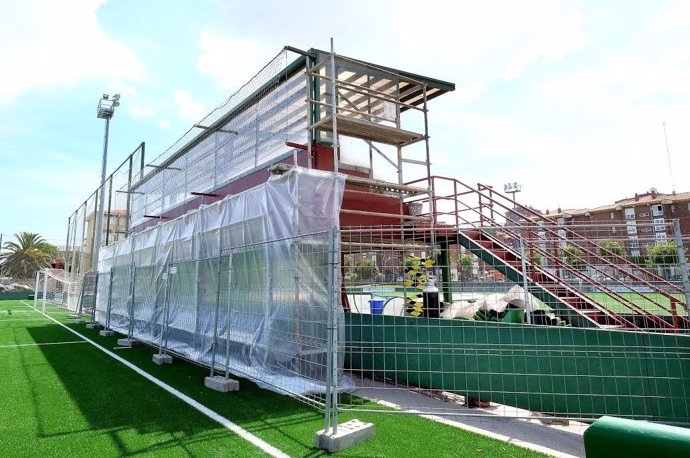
(297, 236)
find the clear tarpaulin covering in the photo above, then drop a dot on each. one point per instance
(246, 284)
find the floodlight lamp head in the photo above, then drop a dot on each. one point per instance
(105, 96)
(116, 97)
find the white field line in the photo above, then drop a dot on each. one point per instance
(243, 433)
(12, 320)
(42, 344)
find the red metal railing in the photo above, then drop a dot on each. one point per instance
(481, 208)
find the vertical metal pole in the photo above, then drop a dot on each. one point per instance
(95, 296)
(166, 309)
(214, 344)
(142, 161)
(332, 357)
(683, 264)
(227, 321)
(110, 299)
(45, 288)
(66, 245)
(132, 280)
(528, 305)
(101, 198)
(334, 114)
(38, 279)
(128, 205)
(110, 203)
(310, 111)
(74, 259)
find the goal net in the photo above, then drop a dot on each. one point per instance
(57, 287)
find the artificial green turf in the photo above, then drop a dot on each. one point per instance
(73, 400)
(646, 301)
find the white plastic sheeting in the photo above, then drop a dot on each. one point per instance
(242, 284)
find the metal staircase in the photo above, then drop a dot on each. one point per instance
(477, 214)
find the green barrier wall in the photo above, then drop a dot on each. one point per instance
(574, 372)
(609, 437)
(13, 295)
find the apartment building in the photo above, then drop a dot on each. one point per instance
(639, 221)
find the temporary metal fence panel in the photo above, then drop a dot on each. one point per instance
(81, 230)
(499, 343)
(241, 285)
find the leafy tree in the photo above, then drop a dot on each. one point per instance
(614, 246)
(465, 264)
(410, 261)
(49, 248)
(26, 256)
(367, 269)
(572, 256)
(536, 258)
(662, 254)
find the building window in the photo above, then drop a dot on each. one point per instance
(613, 229)
(660, 237)
(613, 216)
(657, 210)
(634, 242)
(659, 225)
(630, 213)
(634, 252)
(644, 214)
(632, 227)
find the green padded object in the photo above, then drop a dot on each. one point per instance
(610, 436)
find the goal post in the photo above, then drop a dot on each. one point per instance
(57, 287)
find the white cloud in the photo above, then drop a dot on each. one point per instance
(231, 62)
(49, 43)
(552, 39)
(141, 112)
(119, 87)
(163, 123)
(676, 16)
(188, 109)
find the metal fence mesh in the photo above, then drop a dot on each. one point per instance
(476, 357)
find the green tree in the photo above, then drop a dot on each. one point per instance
(662, 254)
(367, 269)
(410, 261)
(536, 258)
(572, 256)
(26, 256)
(49, 248)
(616, 247)
(465, 265)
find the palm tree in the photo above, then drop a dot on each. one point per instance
(26, 256)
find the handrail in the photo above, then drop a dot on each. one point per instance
(487, 200)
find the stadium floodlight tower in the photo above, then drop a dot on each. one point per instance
(106, 110)
(512, 188)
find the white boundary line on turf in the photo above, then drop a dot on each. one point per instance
(12, 320)
(243, 433)
(42, 344)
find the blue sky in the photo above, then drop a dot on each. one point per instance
(567, 98)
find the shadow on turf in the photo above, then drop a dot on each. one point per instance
(112, 400)
(109, 397)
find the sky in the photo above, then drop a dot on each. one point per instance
(567, 98)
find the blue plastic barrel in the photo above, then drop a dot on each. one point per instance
(376, 306)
